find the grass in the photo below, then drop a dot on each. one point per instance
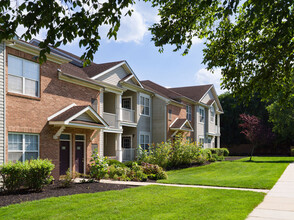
(261, 173)
(148, 202)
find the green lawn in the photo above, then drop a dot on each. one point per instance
(262, 173)
(148, 202)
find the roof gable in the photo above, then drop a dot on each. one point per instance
(193, 92)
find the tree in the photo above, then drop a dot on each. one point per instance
(283, 120)
(255, 131)
(251, 41)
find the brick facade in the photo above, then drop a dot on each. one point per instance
(29, 115)
(178, 112)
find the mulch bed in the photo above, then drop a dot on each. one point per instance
(55, 190)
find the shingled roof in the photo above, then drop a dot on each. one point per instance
(160, 90)
(193, 92)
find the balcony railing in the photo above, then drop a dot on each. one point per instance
(128, 115)
(111, 119)
(128, 154)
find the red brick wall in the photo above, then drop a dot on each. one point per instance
(27, 114)
(178, 112)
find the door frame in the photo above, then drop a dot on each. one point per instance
(127, 97)
(84, 141)
(70, 150)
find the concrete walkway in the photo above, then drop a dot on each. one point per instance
(278, 204)
(180, 185)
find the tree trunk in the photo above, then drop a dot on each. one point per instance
(252, 151)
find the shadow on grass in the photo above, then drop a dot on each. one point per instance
(267, 161)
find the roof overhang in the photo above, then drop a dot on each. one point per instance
(182, 127)
(136, 88)
(33, 50)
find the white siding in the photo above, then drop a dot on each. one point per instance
(114, 76)
(2, 102)
(207, 97)
(84, 117)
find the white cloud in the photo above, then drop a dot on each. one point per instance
(204, 76)
(196, 40)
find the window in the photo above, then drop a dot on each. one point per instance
(209, 140)
(22, 147)
(201, 141)
(212, 114)
(127, 142)
(189, 112)
(201, 114)
(170, 114)
(94, 104)
(127, 103)
(23, 76)
(145, 105)
(144, 141)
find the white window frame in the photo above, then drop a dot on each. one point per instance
(127, 97)
(201, 116)
(189, 112)
(143, 105)
(212, 114)
(170, 111)
(23, 151)
(144, 134)
(24, 78)
(201, 142)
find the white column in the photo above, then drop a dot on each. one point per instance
(218, 141)
(118, 147)
(101, 143)
(118, 107)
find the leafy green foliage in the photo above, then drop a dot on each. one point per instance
(98, 167)
(115, 163)
(216, 154)
(153, 171)
(33, 174)
(66, 180)
(172, 155)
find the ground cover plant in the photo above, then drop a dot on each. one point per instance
(260, 173)
(148, 202)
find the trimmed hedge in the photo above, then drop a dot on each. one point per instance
(216, 154)
(33, 174)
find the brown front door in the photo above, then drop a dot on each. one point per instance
(64, 157)
(79, 160)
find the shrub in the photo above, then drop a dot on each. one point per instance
(217, 154)
(128, 164)
(154, 172)
(116, 163)
(33, 174)
(172, 155)
(98, 167)
(38, 173)
(66, 180)
(13, 176)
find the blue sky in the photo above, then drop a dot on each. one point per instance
(134, 45)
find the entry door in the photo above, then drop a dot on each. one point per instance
(126, 142)
(64, 157)
(127, 103)
(79, 160)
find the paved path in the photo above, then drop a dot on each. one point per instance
(180, 185)
(278, 204)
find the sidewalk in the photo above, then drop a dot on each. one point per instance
(279, 202)
(180, 185)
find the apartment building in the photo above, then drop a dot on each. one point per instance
(63, 110)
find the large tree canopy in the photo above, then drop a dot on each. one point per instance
(251, 41)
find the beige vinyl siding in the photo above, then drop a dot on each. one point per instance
(114, 76)
(84, 117)
(158, 120)
(207, 97)
(2, 102)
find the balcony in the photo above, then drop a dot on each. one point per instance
(128, 115)
(111, 119)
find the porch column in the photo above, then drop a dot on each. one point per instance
(118, 147)
(218, 141)
(101, 143)
(118, 107)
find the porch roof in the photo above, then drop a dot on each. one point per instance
(78, 116)
(181, 125)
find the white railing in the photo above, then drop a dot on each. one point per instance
(128, 115)
(111, 119)
(128, 154)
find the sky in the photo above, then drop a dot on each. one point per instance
(170, 69)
